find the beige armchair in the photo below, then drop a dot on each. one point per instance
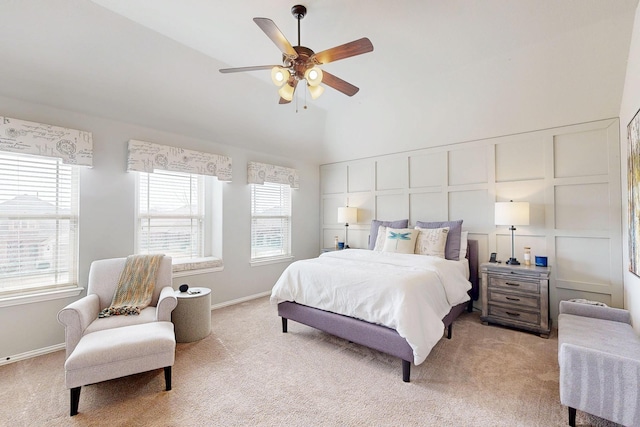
(100, 349)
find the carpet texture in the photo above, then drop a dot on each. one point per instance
(247, 372)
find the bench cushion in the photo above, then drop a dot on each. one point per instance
(114, 353)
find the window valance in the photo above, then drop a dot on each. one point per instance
(74, 147)
(259, 173)
(146, 156)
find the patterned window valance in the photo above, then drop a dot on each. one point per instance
(259, 173)
(146, 156)
(74, 147)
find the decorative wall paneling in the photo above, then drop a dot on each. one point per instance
(569, 175)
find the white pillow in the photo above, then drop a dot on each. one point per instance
(432, 241)
(380, 239)
(400, 240)
(463, 245)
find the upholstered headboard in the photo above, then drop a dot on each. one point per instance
(474, 268)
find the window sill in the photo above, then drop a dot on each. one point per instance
(194, 266)
(267, 261)
(7, 301)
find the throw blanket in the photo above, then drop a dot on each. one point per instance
(135, 286)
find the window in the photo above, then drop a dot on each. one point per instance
(171, 214)
(178, 214)
(38, 223)
(270, 221)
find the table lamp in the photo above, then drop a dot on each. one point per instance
(512, 213)
(347, 215)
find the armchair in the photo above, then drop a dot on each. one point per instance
(100, 349)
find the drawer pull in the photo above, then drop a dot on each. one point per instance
(513, 314)
(512, 299)
(512, 284)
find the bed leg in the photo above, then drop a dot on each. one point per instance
(572, 417)
(406, 371)
(449, 331)
(470, 306)
(284, 325)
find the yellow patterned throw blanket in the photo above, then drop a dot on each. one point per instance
(135, 286)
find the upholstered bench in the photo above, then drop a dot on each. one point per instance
(118, 352)
(599, 357)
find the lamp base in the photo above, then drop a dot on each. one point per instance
(513, 261)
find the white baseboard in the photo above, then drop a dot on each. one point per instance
(30, 354)
(51, 349)
(240, 300)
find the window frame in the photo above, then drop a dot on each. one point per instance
(210, 199)
(61, 190)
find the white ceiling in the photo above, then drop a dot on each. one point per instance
(441, 71)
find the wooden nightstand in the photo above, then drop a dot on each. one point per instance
(516, 296)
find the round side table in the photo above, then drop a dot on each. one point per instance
(192, 316)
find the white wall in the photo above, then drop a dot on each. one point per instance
(570, 176)
(628, 108)
(107, 220)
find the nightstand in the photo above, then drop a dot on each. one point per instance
(516, 296)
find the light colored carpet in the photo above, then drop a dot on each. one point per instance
(247, 372)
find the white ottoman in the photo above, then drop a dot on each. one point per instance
(118, 352)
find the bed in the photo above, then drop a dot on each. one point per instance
(354, 323)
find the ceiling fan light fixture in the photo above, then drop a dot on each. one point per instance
(315, 91)
(286, 92)
(313, 76)
(279, 76)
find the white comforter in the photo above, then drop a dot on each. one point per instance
(409, 293)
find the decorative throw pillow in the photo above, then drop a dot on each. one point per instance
(431, 241)
(400, 240)
(452, 249)
(373, 233)
(382, 236)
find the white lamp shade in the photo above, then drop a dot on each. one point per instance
(313, 76)
(347, 215)
(315, 91)
(512, 213)
(279, 76)
(286, 92)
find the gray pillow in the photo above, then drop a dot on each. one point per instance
(454, 239)
(373, 233)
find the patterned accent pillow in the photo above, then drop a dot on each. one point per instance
(432, 241)
(375, 224)
(452, 249)
(400, 240)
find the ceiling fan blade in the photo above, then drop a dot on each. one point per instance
(254, 68)
(339, 84)
(283, 101)
(273, 32)
(347, 50)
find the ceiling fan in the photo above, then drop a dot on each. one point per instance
(301, 63)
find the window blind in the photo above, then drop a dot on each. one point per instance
(38, 223)
(270, 221)
(171, 214)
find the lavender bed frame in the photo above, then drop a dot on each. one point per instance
(377, 337)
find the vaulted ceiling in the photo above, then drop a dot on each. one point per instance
(441, 71)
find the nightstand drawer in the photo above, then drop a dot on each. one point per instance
(514, 284)
(513, 298)
(514, 314)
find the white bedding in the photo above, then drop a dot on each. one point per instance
(408, 293)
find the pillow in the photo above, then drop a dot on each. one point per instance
(452, 249)
(400, 240)
(382, 236)
(431, 241)
(373, 234)
(464, 236)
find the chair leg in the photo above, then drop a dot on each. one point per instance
(572, 417)
(167, 377)
(75, 400)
